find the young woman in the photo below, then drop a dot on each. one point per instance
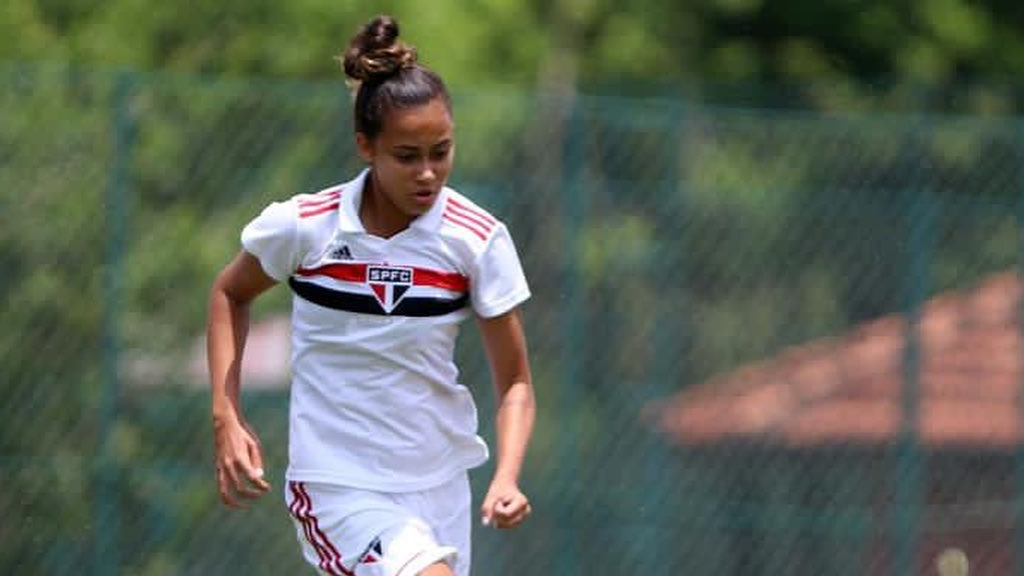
(383, 269)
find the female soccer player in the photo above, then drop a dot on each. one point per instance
(383, 269)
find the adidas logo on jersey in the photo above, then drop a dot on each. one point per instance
(341, 253)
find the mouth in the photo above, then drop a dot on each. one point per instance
(424, 197)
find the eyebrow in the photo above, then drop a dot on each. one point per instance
(411, 148)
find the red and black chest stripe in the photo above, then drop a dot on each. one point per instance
(391, 289)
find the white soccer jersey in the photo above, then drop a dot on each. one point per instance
(375, 398)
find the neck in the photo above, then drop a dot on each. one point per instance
(378, 214)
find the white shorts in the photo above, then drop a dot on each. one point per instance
(352, 532)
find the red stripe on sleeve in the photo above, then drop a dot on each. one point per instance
(475, 211)
(454, 219)
(318, 199)
(472, 217)
(317, 210)
(334, 190)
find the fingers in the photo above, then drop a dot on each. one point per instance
(511, 513)
(241, 478)
(237, 484)
(487, 512)
(506, 512)
(223, 483)
(255, 473)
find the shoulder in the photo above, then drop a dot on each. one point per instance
(307, 212)
(305, 205)
(466, 220)
(321, 203)
(303, 218)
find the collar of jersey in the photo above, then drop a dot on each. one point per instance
(348, 219)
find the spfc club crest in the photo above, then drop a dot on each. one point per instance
(389, 284)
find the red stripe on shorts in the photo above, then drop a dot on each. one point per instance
(299, 511)
(330, 558)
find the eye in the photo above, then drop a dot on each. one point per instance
(405, 157)
(440, 153)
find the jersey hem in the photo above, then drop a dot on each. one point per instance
(378, 484)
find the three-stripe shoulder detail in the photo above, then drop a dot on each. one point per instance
(468, 217)
(320, 203)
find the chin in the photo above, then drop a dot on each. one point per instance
(415, 211)
(419, 209)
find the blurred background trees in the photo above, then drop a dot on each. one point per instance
(622, 45)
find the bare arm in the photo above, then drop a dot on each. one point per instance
(505, 506)
(239, 459)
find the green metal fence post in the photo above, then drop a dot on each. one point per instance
(107, 559)
(574, 329)
(670, 342)
(921, 215)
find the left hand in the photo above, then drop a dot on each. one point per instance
(239, 462)
(505, 506)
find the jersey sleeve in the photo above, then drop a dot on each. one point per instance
(497, 283)
(272, 237)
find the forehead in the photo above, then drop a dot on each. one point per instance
(429, 122)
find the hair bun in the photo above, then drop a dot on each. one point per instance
(375, 53)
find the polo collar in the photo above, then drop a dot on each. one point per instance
(348, 219)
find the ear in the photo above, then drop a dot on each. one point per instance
(365, 147)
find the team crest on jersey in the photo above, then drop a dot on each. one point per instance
(389, 284)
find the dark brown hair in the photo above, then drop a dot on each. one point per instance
(387, 75)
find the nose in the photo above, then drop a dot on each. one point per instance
(425, 172)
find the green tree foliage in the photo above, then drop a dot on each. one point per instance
(597, 42)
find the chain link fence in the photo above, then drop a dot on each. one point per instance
(702, 278)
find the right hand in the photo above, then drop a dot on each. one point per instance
(505, 505)
(239, 462)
